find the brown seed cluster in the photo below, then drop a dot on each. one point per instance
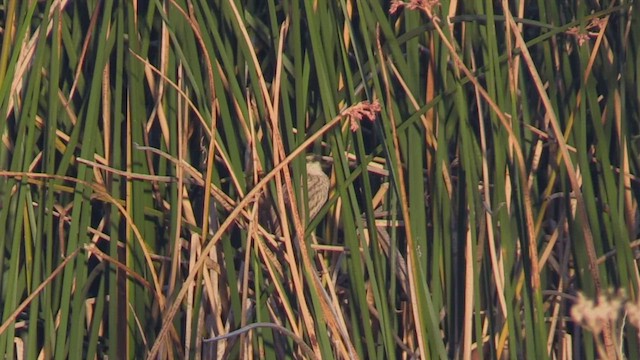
(595, 316)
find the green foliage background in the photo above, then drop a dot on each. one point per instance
(495, 182)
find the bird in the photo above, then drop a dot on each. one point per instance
(317, 187)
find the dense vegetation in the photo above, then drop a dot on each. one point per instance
(483, 158)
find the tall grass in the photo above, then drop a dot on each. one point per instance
(483, 159)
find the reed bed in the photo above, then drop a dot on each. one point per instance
(483, 160)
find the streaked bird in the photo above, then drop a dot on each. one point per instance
(317, 187)
(318, 184)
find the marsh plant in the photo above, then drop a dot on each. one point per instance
(476, 179)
